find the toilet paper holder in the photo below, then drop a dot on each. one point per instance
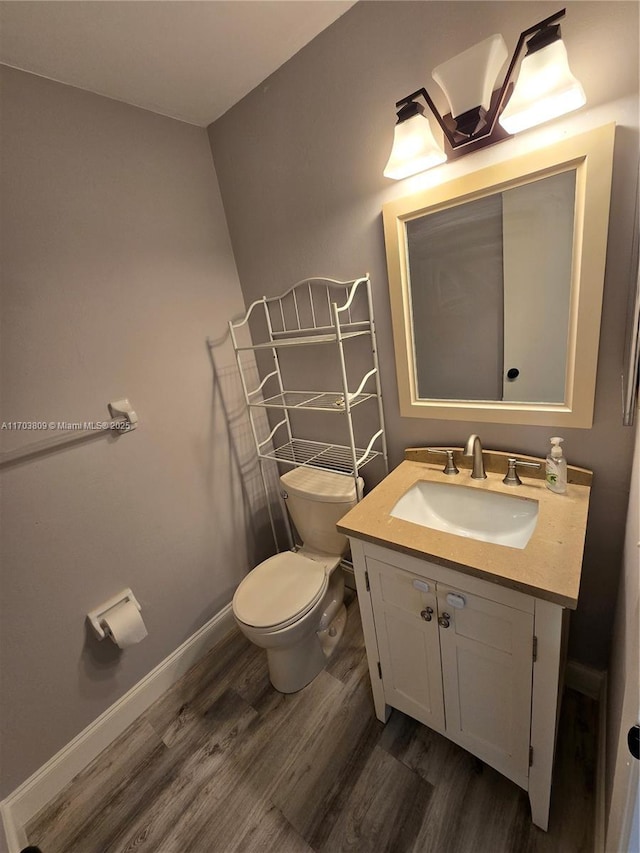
(97, 616)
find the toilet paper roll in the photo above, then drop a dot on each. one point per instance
(124, 624)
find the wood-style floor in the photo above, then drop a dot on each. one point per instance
(224, 763)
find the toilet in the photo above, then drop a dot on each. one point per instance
(292, 604)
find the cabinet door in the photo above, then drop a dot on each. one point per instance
(408, 642)
(487, 660)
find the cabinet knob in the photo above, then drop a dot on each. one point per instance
(443, 621)
(427, 614)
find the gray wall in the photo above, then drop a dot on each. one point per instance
(300, 163)
(117, 265)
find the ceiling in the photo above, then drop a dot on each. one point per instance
(188, 59)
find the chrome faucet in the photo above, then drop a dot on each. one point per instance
(473, 448)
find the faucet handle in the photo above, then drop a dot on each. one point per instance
(511, 478)
(450, 465)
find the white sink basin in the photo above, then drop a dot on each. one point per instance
(473, 513)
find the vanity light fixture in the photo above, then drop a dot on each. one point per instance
(545, 89)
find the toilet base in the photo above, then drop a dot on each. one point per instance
(291, 669)
(330, 637)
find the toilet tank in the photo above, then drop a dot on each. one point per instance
(316, 500)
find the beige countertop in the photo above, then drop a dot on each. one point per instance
(550, 565)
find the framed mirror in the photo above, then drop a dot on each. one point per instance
(496, 282)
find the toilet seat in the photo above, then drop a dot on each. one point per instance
(280, 591)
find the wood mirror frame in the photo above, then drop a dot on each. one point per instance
(591, 155)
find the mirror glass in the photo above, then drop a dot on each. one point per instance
(495, 282)
(490, 286)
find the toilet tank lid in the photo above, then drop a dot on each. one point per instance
(316, 484)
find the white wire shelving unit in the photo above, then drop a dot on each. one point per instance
(314, 312)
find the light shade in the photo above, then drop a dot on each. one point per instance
(414, 149)
(468, 78)
(545, 89)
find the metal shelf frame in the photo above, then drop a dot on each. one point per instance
(315, 401)
(315, 311)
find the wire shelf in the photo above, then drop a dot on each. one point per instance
(316, 454)
(304, 340)
(317, 401)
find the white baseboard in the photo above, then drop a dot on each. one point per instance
(585, 679)
(27, 800)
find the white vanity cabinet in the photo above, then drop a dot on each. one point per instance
(475, 661)
(405, 612)
(487, 652)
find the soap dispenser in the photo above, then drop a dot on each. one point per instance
(556, 468)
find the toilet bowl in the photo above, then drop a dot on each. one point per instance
(292, 605)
